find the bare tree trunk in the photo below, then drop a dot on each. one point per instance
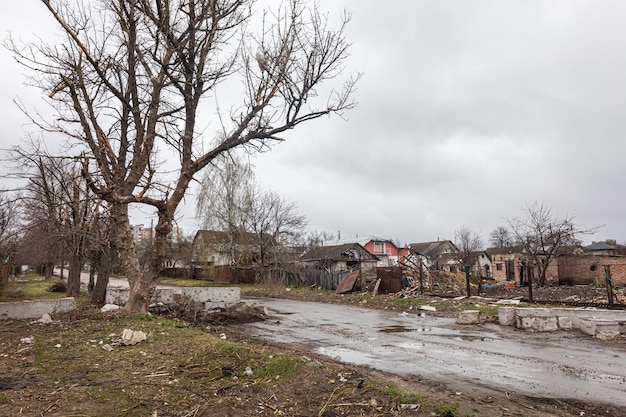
(73, 275)
(467, 282)
(92, 273)
(104, 271)
(141, 289)
(48, 269)
(542, 276)
(529, 278)
(122, 244)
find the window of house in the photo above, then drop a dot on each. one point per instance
(379, 247)
(498, 267)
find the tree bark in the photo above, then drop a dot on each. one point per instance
(467, 282)
(122, 244)
(142, 288)
(73, 276)
(98, 295)
(92, 280)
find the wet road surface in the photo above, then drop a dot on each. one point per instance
(469, 359)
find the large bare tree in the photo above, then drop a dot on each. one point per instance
(128, 85)
(541, 234)
(469, 244)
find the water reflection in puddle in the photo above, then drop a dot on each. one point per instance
(402, 329)
(345, 355)
(455, 336)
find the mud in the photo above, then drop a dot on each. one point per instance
(469, 359)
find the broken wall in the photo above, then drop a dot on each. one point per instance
(589, 269)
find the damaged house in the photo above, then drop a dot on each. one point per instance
(225, 257)
(325, 266)
(438, 255)
(589, 267)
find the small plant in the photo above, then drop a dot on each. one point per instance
(283, 366)
(446, 410)
(57, 287)
(401, 396)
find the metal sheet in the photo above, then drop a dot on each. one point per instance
(347, 283)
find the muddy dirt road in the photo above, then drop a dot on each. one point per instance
(469, 359)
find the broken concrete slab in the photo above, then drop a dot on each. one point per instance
(565, 323)
(507, 316)
(538, 323)
(210, 297)
(594, 326)
(468, 317)
(534, 312)
(32, 309)
(132, 337)
(566, 319)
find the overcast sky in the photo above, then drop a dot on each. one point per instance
(468, 111)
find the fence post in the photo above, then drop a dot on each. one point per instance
(609, 284)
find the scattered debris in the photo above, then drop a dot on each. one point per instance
(428, 308)
(132, 337)
(508, 302)
(109, 307)
(468, 317)
(45, 319)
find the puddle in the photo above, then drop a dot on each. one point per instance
(345, 355)
(460, 337)
(403, 329)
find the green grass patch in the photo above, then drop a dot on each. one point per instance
(447, 410)
(401, 396)
(31, 288)
(281, 366)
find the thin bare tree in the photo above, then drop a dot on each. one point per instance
(501, 237)
(541, 234)
(130, 84)
(469, 244)
(231, 200)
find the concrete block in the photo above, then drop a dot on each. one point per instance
(524, 322)
(36, 308)
(468, 317)
(545, 324)
(210, 297)
(607, 335)
(507, 316)
(565, 323)
(533, 312)
(594, 326)
(537, 323)
(607, 326)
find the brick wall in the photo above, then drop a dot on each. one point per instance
(589, 269)
(499, 268)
